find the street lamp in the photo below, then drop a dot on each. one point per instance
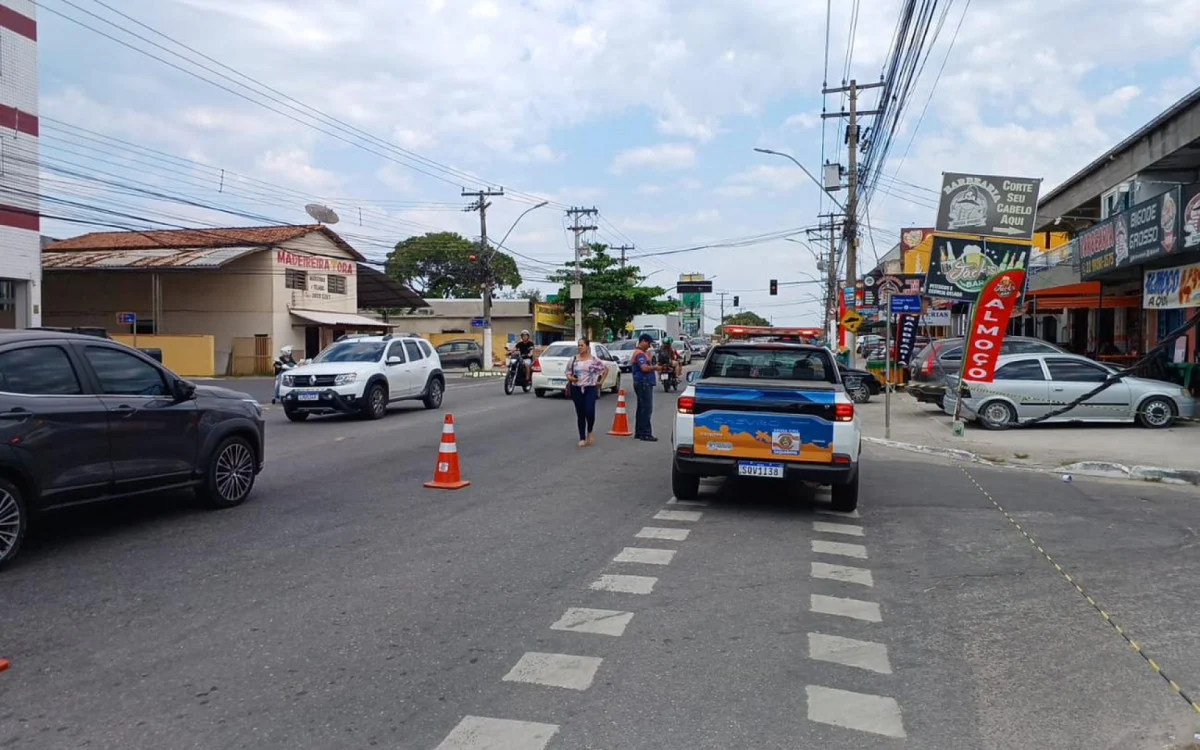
(487, 286)
(798, 164)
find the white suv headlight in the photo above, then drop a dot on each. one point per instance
(345, 378)
(289, 381)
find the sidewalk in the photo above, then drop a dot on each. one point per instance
(1110, 450)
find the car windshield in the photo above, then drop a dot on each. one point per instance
(812, 365)
(560, 350)
(623, 346)
(352, 351)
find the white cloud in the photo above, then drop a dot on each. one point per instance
(762, 178)
(663, 156)
(690, 184)
(1117, 101)
(293, 166)
(802, 121)
(544, 154)
(649, 189)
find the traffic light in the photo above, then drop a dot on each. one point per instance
(774, 287)
(735, 301)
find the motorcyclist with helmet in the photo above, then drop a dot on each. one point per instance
(669, 356)
(524, 347)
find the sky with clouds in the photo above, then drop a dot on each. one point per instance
(648, 110)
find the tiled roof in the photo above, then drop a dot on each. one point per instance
(197, 238)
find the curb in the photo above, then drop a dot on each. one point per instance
(1101, 469)
(485, 374)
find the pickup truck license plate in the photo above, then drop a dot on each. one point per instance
(308, 396)
(760, 469)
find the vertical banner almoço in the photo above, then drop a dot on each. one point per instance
(993, 308)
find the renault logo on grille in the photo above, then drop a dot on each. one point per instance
(312, 379)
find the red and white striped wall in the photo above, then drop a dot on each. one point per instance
(20, 226)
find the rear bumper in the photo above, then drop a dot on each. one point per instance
(928, 392)
(711, 466)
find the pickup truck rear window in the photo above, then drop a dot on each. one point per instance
(814, 366)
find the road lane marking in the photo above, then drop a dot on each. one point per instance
(658, 532)
(838, 513)
(839, 548)
(555, 670)
(843, 607)
(598, 621)
(622, 584)
(688, 503)
(843, 574)
(837, 528)
(678, 515)
(876, 714)
(482, 733)
(645, 555)
(849, 652)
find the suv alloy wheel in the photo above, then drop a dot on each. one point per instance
(229, 476)
(12, 521)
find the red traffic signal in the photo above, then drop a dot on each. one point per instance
(472, 258)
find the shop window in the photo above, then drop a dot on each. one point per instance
(295, 279)
(337, 284)
(8, 295)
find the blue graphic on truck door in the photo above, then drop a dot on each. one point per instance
(762, 435)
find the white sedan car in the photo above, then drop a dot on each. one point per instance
(550, 368)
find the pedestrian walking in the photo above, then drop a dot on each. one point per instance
(644, 380)
(585, 374)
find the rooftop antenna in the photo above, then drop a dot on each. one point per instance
(322, 214)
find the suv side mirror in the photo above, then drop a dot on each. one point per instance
(394, 360)
(182, 390)
(693, 376)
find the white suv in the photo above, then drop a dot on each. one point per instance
(362, 375)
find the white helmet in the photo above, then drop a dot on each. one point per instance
(286, 350)
(524, 333)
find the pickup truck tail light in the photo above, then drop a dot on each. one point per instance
(927, 366)
(686, 405)
(843, 412)
(537, 365)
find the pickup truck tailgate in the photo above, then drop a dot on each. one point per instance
(762, 422)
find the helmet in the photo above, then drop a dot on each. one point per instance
(286, 350)
(667, 341)
(524, 333)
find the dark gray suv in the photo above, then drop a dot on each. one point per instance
(84, 419)
(931, 368)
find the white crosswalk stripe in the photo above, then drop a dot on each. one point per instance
(839, 548)
(876, 714)
(842, 573)
(645, 555)
(555, 670)
(598, 621)
(844, 607)
(837, 528)
(678, 515)
(483, 733)
(657, 532)
(623, 584)
(849, 652)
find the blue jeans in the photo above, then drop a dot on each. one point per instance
(585, 408)
(644, 390)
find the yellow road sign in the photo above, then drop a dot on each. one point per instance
(852, 321)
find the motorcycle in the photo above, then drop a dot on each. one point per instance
(516, 374)
(280, 369)
(668, 380)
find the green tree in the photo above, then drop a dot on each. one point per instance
(439, 264)
(615, 291)
(744, 318)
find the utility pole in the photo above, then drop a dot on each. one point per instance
(852, 141)
(829, 231)
(577, 287)
(722, 296)
(623, 248)
(485, 258)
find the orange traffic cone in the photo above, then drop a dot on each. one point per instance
(3, 664)
(620, 426)
(447, 477)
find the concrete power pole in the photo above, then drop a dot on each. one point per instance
(852, 143)
(623, 249)
(577, 287)
(485, 257)
(829, 231)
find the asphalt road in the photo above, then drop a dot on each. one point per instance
(346, 606)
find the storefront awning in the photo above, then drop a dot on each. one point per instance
(378, 291)
(338, 319)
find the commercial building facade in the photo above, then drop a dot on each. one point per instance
(249, 290)
(20, 240)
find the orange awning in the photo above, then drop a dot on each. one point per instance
(1083, 289)
(1090, 302)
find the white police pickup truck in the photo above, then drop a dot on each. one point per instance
(769, 411)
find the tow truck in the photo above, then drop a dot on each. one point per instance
(767, 411)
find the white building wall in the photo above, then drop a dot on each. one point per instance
(20, 238)
(288, 330)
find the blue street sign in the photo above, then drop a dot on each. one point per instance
(906, 303)
(848, 297)
(126, 318)
(477, 322)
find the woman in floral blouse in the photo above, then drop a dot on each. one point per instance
(585, 373)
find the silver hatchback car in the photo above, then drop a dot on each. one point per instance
(1031, 385)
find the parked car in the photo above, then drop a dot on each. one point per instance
(860, 384)
(84, 419)
(623, 351)
(362, 375)
(1030, 385)
(930, 369)
(550, 368)
(461, 353)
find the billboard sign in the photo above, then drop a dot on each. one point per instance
(960, 268)
(988, 205)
